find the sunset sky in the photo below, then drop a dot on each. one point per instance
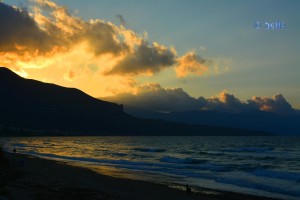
(183, 49)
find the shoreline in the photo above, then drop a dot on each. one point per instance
(30, 177)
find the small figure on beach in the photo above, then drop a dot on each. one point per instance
(15, 150)
(188, 190)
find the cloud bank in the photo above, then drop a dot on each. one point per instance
(156, 98)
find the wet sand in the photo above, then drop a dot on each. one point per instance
(29, 177)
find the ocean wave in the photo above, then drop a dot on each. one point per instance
(292, 176)
(249, 149)
(216, 167)
(19, 145)
(185, 164)
(186, 152)
(149, 149)
(249, 167)
(169, 159)
(119, 154)
(259, 186)
(261, 166)
(214, 153)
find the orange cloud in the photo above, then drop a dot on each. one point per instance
(191, 63)
(99, 57)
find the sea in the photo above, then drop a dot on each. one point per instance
(265, 166)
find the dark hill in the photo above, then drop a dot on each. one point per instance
(30, 107)
(33, 104)
(250, 120)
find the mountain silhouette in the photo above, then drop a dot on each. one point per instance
(251, 120)
(30, 107)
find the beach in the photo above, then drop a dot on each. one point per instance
(28, 177)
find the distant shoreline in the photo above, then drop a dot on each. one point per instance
(50, 133)
(31, 177)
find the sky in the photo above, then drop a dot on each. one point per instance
(175, 49)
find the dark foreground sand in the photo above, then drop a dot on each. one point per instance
(29, 177)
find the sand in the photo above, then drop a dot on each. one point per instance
(29, 177)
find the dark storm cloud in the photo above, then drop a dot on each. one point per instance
(19, 32)
(101, 37)
(146, 59)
